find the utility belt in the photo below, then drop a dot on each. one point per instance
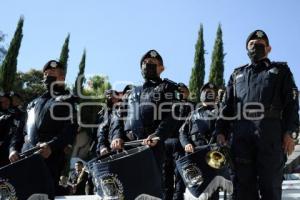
(271, 114)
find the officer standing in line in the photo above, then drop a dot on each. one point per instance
(6, 128)
(174, 185)
(146, 108)
(262, 105)
(199, 127)
(51, 116)
(104, 139)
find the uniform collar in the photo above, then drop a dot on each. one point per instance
(264, 63)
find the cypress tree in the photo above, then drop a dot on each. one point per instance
(198, 71)
(64, 54)
(8, 68)
(80, 76)
(217, 63)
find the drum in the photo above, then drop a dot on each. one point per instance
(127, 175)
(25, 178)
(199, 177)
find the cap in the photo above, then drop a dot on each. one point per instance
(208, 86)
(52, 64)
(257, 34)
(151, 54)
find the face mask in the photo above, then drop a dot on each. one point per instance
(149, 71)
(207, 97)
(48, 81)
(257, 52)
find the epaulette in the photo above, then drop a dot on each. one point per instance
(280, 63)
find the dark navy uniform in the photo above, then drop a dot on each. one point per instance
(52, 116)
(257, 134)
(145, 116)
(198, 129)
(104, 129)
(42, 127)
(148, 108)
(94, 137)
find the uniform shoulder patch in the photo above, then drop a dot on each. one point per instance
(281, 66)
(280, 63)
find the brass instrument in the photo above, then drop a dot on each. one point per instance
(215, 159)
(218, 156)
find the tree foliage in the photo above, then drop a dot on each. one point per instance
(198, 71)
(80, 76)
(29, 84)
(64, 54)
(8, 67)
(217, 63)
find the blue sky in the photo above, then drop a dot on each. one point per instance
(116, 33)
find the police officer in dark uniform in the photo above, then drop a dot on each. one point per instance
(146, 109)
(6, 128)
(174, 185)
(52, 116)
(199, 127)
(262, 107)
(104, 138)
(19, 115)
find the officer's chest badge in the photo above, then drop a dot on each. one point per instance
(295, 93)
(239, 76)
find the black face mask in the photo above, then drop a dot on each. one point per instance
(207, 97)
(149, 72)
(257, 53)
(48, 81)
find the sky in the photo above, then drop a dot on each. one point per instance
(116, 33)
